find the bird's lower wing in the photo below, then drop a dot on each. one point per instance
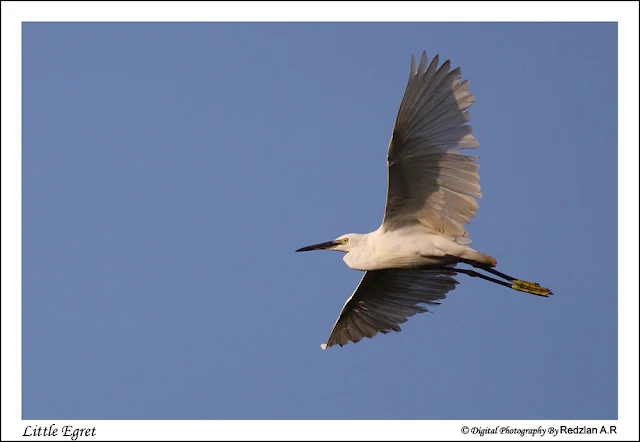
(384, 299)
(430, 181)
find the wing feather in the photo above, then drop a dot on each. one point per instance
(430, 182)
(384, 299)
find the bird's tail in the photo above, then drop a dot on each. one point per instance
(480, 258)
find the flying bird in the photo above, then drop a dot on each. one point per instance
(410, 260)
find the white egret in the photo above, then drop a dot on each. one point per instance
(432, 190)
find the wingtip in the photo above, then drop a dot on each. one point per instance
(323, 346)
(423, 62)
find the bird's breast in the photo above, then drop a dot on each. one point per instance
(378, 258)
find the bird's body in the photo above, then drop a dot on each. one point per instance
(432, 192)
(409, 247)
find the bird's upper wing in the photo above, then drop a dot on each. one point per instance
(386, 298)
(430, 182)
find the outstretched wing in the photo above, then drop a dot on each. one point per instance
(386, 298)
(430, 182)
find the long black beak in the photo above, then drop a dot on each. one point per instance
(321, 246)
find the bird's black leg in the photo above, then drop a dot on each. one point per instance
(516, 284)
(475, 274)
(500, 274)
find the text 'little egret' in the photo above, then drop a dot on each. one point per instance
(431, 195)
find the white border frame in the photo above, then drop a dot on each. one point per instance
(14, 13)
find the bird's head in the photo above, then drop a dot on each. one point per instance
(344, 243)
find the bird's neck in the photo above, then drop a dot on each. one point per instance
(359, 258)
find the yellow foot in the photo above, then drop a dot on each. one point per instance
(530, 287)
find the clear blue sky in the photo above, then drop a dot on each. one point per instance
(171, 170)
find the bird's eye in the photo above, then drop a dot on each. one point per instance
(344, 240)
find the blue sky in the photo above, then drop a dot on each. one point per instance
(171, 170)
